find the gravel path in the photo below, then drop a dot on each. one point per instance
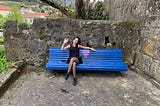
(95, 89)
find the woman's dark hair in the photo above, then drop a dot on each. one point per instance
(79, 40)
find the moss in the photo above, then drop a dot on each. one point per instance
(149, 48)
(47, 48)
(42, 36)
(129, 24)
(130, 27)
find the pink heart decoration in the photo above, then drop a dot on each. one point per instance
(85, 53)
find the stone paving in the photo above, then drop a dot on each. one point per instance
(94, 89)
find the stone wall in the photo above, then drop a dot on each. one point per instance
(147, 59)
(125, 9)
(31, 43)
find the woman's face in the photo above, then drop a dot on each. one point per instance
(75, 41)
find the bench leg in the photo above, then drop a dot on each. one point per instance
(84, 73)
(53, 73)
(119, 74)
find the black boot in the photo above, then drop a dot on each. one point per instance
(66, 77)
(75, 81)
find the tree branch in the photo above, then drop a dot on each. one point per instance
(58, 6)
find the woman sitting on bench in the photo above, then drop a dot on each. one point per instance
(74, 57)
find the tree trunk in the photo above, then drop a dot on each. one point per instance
(80, 9)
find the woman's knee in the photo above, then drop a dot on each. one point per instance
(74, 63)
(74, 59)
(71, 60)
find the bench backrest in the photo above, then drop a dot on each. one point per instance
(100, 54)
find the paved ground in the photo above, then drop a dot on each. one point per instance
(95, 89)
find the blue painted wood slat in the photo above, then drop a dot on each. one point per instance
(101, 60)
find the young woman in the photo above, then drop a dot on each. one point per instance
(74, 57)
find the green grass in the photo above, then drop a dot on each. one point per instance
(18, 4)
(10, 3)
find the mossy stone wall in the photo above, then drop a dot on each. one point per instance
(31, 43)
(147, 58)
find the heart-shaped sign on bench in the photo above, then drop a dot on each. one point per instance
(85, 52)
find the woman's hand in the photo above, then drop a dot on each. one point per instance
(65, 40)
(92, 49)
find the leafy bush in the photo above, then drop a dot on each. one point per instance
(3, 60)
(1, 40)
(2, 20)
(97, 12)
(16, 14)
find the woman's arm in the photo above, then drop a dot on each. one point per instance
(85, 47)
(63, 47)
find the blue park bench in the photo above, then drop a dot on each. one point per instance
(101, 60)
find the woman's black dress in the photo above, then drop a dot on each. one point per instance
(74, 52)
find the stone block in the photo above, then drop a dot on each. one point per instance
(143, 63)
(155, 68)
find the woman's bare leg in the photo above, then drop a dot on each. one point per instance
(75, 61)
(72, 60)
(70, 66)
(69, 69)
(74, 69)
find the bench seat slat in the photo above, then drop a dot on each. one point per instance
(90, 63)
(88, 68)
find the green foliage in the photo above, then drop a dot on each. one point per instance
(97, 13)
(2, 20)
(29, 2)
(16, 14)
(42, 36)
(1, 40)
(3, 60)
(19, 3)
(11, 3)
